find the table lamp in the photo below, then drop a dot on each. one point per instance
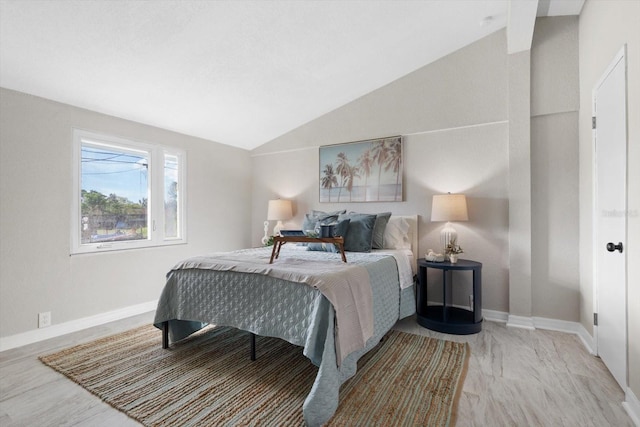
(448, 207)
(279, 210)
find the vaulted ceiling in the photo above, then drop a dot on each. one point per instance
(239, 72)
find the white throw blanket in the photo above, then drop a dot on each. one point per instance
(345, 285)
(404, 259)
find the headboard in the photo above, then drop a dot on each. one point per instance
(413, 236)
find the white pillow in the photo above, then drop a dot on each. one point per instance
(396, 235)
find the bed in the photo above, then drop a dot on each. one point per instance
(287, 300)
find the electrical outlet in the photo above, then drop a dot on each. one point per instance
(44, 319)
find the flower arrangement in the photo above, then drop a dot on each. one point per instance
(453, 248)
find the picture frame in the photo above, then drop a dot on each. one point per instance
(362, 171)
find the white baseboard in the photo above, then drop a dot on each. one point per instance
(520, 322)
(586, 338)
(53, 331)
(495, 316)
(632, 406)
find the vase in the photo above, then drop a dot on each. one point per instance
(453, 258)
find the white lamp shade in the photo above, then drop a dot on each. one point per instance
(279, 210)
(449, 207)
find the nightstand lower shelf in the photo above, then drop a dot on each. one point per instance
(458, 320)
(445, 317)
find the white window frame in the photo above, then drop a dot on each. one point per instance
(155, 204)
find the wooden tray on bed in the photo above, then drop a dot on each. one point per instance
(278, 241)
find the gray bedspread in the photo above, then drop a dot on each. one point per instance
(300, 314)
(345, 285)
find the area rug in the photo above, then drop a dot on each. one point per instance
(209, 380)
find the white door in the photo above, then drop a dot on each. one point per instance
(610, 219)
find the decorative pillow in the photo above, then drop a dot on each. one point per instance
(378, 230)
(340, 230)
(360, 233)
(396, 234)
(312, 219)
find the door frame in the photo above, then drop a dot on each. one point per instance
(620, 56)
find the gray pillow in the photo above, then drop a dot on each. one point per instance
(312, 219)
(382, 219)
(341, 230)
(378, 230)
(360, 232)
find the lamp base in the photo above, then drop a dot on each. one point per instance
(265, 239)
(447, 234)
(276, 230)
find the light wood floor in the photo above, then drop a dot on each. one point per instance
(519, 377)
(516, 377)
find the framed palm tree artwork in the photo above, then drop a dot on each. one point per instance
(362, 171)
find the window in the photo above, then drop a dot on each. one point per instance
(127, 194)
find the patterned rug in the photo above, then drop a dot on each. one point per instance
(209, 380)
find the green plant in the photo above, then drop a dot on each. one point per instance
(453, 247)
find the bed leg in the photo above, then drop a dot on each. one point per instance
(253, 346)
(165, 334)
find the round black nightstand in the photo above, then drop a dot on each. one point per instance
(443, 317)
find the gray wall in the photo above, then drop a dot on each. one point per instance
(604, 28)
(555, 100)
(467, 87)
(37, 273)
(454, 115)
(435, 162)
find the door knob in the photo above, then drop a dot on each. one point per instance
(611, 247)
